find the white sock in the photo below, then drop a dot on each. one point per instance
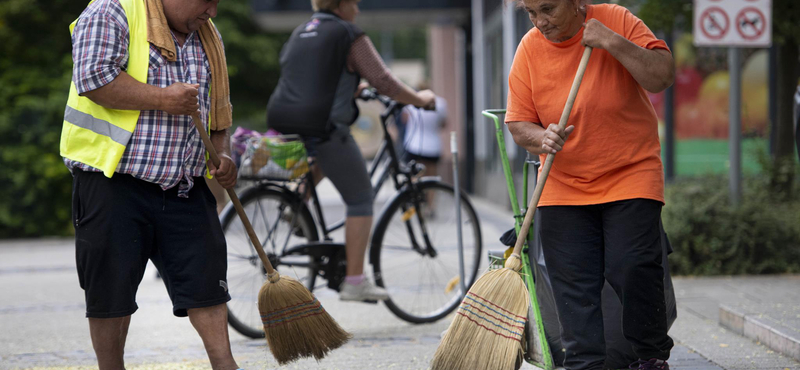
(355, 279)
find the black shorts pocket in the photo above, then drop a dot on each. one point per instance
(82, 247)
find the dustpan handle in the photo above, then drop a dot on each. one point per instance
(537, 193)
(232, 194)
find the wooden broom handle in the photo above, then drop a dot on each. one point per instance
(232, 194)
(537, 193)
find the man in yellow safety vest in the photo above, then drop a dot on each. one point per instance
(141, 69)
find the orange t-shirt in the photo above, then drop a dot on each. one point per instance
(614, 152)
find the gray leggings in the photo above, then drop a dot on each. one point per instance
(342, 162)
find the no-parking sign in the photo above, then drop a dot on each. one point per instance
(733, 23)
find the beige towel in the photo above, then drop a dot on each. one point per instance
(159, 34)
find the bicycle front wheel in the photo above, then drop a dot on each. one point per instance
(279, 221)
(415, 252)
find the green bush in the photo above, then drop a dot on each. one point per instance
(711, 237)
(35, 71)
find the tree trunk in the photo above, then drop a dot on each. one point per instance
(782, 174)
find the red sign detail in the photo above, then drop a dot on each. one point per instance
(714, 23)
(751, 23)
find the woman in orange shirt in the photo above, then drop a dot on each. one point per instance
(601, 206)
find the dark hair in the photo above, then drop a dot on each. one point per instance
(521, 5)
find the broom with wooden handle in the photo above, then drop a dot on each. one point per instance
(295, 323)
(487, 331)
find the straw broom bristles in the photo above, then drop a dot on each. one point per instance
(295, 323)
(487, 331)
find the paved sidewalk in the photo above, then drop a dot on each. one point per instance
(766, 310)
(42, 324)
(768, 298)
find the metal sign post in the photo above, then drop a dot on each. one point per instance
(457, 196)
(735, 24)
(735, 124)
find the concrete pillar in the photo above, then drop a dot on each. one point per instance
(478, 81)
(509, 49)
(447, 78)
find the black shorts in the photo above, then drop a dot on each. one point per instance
(122, 222)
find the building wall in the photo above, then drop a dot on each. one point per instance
(502, 27)
(446, 45)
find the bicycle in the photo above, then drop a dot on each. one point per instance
(412, 250)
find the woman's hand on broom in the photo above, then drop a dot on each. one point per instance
(554, 137)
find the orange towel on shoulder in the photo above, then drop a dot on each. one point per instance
(159, 34)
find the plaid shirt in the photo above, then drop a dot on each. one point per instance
(164, 149)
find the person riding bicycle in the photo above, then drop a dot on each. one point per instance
(322, 64)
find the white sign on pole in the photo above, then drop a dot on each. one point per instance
(746, 23)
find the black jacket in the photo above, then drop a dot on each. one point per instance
(315, 89)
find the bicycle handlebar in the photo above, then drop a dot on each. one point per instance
(370, 94)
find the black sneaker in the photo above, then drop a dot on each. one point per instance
(652, 364)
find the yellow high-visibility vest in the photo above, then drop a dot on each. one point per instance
(95, 135)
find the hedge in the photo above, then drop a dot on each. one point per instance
(712, 237)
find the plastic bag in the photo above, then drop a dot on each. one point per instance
(274, 158)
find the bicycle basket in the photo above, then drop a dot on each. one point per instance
(274, 158)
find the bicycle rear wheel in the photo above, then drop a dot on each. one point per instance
(279, 222)
(423, 283)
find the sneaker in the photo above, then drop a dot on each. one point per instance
(365, 291)
(652, 364)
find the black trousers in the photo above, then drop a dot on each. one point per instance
(619, 242)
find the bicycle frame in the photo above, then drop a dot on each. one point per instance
(393, 109)
(401, 178)
(519, 216)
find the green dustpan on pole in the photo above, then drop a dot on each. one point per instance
(537, 350)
